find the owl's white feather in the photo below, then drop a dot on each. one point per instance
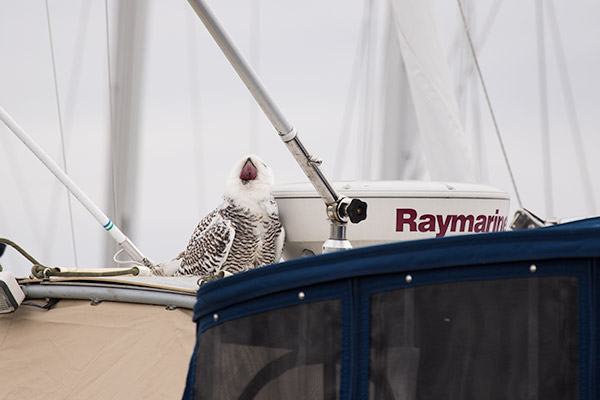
(244, 232)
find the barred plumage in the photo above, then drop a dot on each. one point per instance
(244, 232)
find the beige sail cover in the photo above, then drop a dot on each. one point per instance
(108, 351)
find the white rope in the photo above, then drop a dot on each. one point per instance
(122, 262)
(110, 113)
(489, 104)
(62, 136)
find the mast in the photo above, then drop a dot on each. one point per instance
(126, 89)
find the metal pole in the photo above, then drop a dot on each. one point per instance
(112, 229)
(285, 129)
(99, 293)
(339, 209)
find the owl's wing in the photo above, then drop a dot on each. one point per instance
(276, 232)
(279, 244)
(209, 246)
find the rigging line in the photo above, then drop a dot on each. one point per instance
(544, 118)
(71, 101)
(462, 53)
(111, 118)
(76, 69)
(489, 104)
(351, 98)
(479, 138)
(571, 110)
(62, 136)
(482, 38)
(196, 113)
(458, 51)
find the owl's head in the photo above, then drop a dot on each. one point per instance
(250, 177)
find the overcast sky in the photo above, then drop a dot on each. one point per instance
(194, 127)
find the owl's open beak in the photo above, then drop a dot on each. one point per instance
(249, 172)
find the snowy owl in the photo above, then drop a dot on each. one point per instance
(244, 232)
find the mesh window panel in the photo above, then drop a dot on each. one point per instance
(494, 339)
(287, 353)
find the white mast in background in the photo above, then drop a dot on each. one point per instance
(131, 32)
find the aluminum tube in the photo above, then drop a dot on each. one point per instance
(312, 171)
(241, 66)
(93, 293)
(71, 186)
(285, 130)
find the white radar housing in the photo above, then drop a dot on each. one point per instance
(397, 211)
